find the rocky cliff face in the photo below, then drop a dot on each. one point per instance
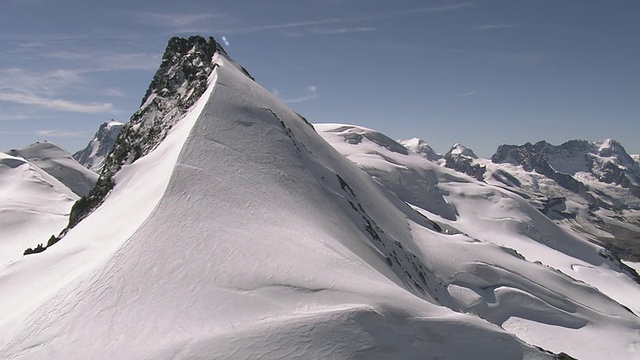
(92, 156)
(606, 161)
(461, 159)
(179, 82)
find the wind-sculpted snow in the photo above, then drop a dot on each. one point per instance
(33, 206)
(502, 259)
(419, 146)
(244, 234)
(256, 240)
(179, 82)
(59, 164)
(586, 187)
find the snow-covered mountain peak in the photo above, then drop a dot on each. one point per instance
(93, 155)
(33, 206)
(60, 164)
(179, 81)
(182, 78)
(111, 123)
(356, 134)
(461, 150)
(463, 159)
(245, 233)
(574, 162)
(421, 147)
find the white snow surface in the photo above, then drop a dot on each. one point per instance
(236, 238)
(485, 223)
(33, 206)
(244, 234)
(59, 164)
(421, 147)
(459, 149)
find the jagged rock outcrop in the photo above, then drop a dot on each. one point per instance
(460, 158)
(607, 161)
(180, 80)
(93, 155)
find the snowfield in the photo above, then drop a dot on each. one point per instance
(248, 233)
(33, 206)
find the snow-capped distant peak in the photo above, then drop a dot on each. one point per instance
(609, 147)
(99, 147)
(459, 149)
(421, 147)
(58, 163)
(355, 134)
(111, 123)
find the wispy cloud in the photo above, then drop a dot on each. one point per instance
(487, 27)
(329, 31)
(351, 19)
(62, 134)
(179, 23)
(13, 117)
(525, 58)
(21, 80)
(312, 92)
(465, 94)
(114, 92)
(56, 104)
(100, 61)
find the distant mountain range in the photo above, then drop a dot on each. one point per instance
(225, 225)
(589, 187)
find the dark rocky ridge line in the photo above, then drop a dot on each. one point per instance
(178, 83)
(534, 157)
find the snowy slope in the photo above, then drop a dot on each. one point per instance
(59, 164)
(33, 206)
(255, 240)
(241, 233)
(421, 147)
(484, 220)
(93, 155)
(586, 187)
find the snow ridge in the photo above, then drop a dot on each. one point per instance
(246, 232)
(58, 163)
(421, 147)
(180, 81)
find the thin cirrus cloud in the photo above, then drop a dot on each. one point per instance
(101, 62)
(312, 92)
(487, 27)
(22, 80)
(13, 117)
(179, 23)
(62, 134)
(466, 93)
(343, 20)
(56, 104)
(329, 31)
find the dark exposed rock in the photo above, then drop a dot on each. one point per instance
(607, 161)
(179, 82)
(100, 146)
(461, 158)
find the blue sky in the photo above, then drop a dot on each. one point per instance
(480, 73)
